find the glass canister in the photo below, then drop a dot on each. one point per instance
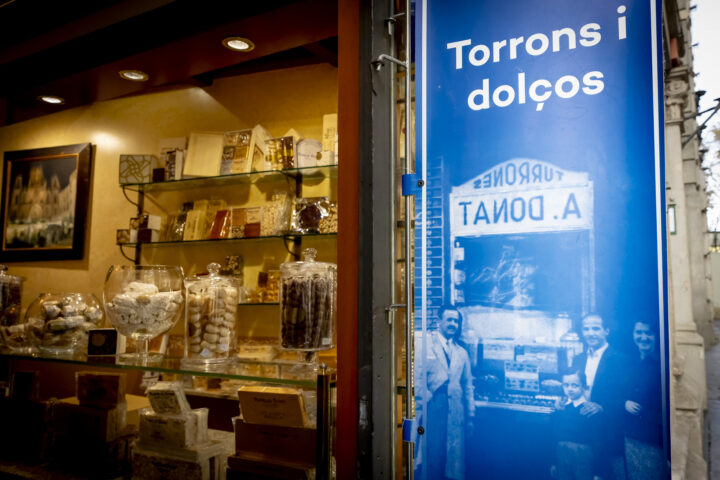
(210, 312)
(307, 303)
(58, 323)
(142, 302)
(12, 328)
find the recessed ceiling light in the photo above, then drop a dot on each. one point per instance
(238, 44)
(51, 99)
(134, 75)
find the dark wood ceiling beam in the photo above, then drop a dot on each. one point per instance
(323, 53)
(186, 60)
(83, 26)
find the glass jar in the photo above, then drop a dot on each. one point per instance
(210, 315)
(12, 328)
(142, 302)
(307, 303)
(58, 323)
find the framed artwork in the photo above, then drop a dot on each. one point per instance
(44, 203)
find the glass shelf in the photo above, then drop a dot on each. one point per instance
(235, 178)
(301, 374)
(216, 240)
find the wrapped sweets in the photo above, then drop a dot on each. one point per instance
(61, 321)
(142, 308)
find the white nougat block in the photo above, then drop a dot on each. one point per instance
(170, 430)
(168, 398)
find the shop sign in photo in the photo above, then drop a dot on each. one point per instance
(540, 285)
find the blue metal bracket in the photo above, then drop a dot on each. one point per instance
(409, 430)
(411, 184)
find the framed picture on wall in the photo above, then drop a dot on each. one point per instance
(45, 194)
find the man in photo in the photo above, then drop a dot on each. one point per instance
(448, 388)
(604, 370)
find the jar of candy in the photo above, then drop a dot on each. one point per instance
(307, 303)
(12, 328)
(210, 314)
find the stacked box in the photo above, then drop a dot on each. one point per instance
(174, 439)
(154, 462)
(90, 432)
(23, 423)
(274, 438)
(103, 390)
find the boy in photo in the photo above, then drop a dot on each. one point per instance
(573, 431)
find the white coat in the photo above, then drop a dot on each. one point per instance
(461, 403)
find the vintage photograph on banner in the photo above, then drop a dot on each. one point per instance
(540, 297)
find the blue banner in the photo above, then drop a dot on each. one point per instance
(540, 296)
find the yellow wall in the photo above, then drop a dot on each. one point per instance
(295, 98)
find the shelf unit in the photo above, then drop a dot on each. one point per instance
(298, 175)
(288, 373)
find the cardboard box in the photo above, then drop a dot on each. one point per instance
(276, 444)
(248, 466)
(91, 423)
(204, 154)
(122, 236)
(98, 389)
(330, 122)
(199, 463)
(136, 168)
(148, 235)
(280, 406)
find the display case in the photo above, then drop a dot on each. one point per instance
(312, 381)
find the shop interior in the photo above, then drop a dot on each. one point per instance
(198, 93)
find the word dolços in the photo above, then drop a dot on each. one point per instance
(539, 91)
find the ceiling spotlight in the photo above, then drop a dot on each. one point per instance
(238, 44)
(134, 75)
(51, 99)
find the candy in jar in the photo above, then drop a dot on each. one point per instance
(12, 328)
(210, 316)
(307, 303)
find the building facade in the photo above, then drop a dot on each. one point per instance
(690, 307)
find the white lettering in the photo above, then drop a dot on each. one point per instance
(593, 83)
(544, 42)
(483, 92)
(458, 51)
(574, 86)
(510, 95)
(590, 34)
(472, 56)
(557, 34)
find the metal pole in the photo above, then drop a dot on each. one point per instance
(393, 255)
(322, 443)
(409, 286)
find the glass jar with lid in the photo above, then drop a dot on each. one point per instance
(307, 303)
(210, 316)
(12, 327)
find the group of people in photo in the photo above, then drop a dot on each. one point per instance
(607, 425)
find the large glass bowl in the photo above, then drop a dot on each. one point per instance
(58, 323)
(142, 302)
